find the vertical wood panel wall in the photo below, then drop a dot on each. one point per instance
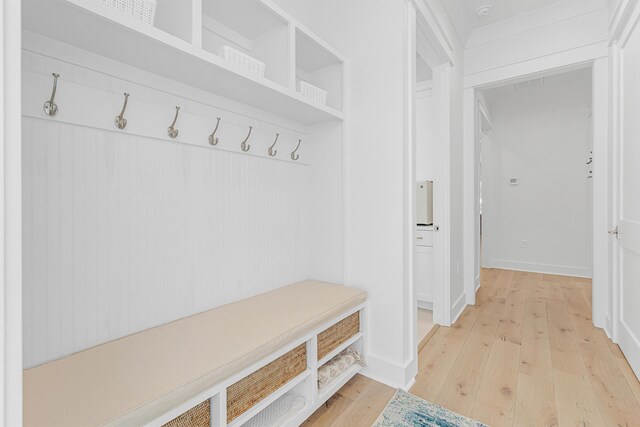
(125, 232)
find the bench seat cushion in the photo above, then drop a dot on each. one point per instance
(137, 378)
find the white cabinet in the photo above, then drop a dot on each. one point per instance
(424, 267)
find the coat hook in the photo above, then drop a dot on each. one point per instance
(50, 106)
(212, 138)
(120, 121)
(172, 131)
(271, 151)
(295, 156)
(243, 145)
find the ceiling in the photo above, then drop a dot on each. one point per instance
(500, 9)
(528, 84)
(464, 16)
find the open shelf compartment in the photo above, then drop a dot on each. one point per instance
(296, 386)
(251, 28)
(318, 65)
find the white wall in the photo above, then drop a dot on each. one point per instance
(424, 135)
(362, 31)
(541, 136)
(576, 26)
(126, 230)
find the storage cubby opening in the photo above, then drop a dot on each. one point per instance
(281, 411)
(249, 27)
(175, 18)
(340, 365)
(319, 67)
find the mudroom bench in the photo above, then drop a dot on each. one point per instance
(245, 363)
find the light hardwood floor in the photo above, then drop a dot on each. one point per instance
(526, 354)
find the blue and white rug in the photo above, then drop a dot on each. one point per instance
(407, 410)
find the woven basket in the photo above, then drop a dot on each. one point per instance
(333, 336)
(198, 416)
(252, 389)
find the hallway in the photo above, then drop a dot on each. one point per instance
(525, 355)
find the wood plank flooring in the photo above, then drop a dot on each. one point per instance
(526, 354)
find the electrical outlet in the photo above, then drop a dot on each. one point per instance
(524, 243)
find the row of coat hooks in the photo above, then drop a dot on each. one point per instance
(51, 108)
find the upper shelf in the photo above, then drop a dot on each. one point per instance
(179, 47)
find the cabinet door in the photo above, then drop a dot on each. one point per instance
(424, 272)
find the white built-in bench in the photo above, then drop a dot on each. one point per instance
(253, 351)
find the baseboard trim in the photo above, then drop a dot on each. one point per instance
(608, 326)
(458, 307)
(560, 270)
(629, 341)
(389, 373)
(425, 305)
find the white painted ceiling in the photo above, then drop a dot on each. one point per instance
(527, 85)
(501, 9)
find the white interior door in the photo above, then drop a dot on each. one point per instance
(629, 202)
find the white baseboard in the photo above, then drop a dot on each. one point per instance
(408, 386)
(608, 326)
(425, 305)
(560, 270)
(389, 373)
(477, 281)
(629, 341)
(458, 307)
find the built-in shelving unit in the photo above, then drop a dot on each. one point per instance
(184, 43)
(303, 386)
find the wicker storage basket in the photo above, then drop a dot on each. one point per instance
(250, 390)
(198, 416)
(333, 336)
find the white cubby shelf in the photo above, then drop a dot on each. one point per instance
(184, 42)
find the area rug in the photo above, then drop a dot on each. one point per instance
(407, 410)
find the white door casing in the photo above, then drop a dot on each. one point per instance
(627, 178)
(11, 219)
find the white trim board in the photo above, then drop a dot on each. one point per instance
(458, 307)
(389, 373)
(595, 56)
(538, 64)
(559, 270)
(11, 217)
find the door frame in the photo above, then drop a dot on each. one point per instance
(426, 37)
(625, 21)
(11, 220)
(596, 58)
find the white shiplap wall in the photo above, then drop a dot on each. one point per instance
(124, 231)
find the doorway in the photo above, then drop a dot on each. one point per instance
(534, 175)
(424, 277)
(598, 179)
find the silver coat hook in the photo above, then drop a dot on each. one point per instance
(120, 121)
(271, 151)
(50, 106)
(212, 138)
(172, 131)
(243, 145)
(295, 156)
